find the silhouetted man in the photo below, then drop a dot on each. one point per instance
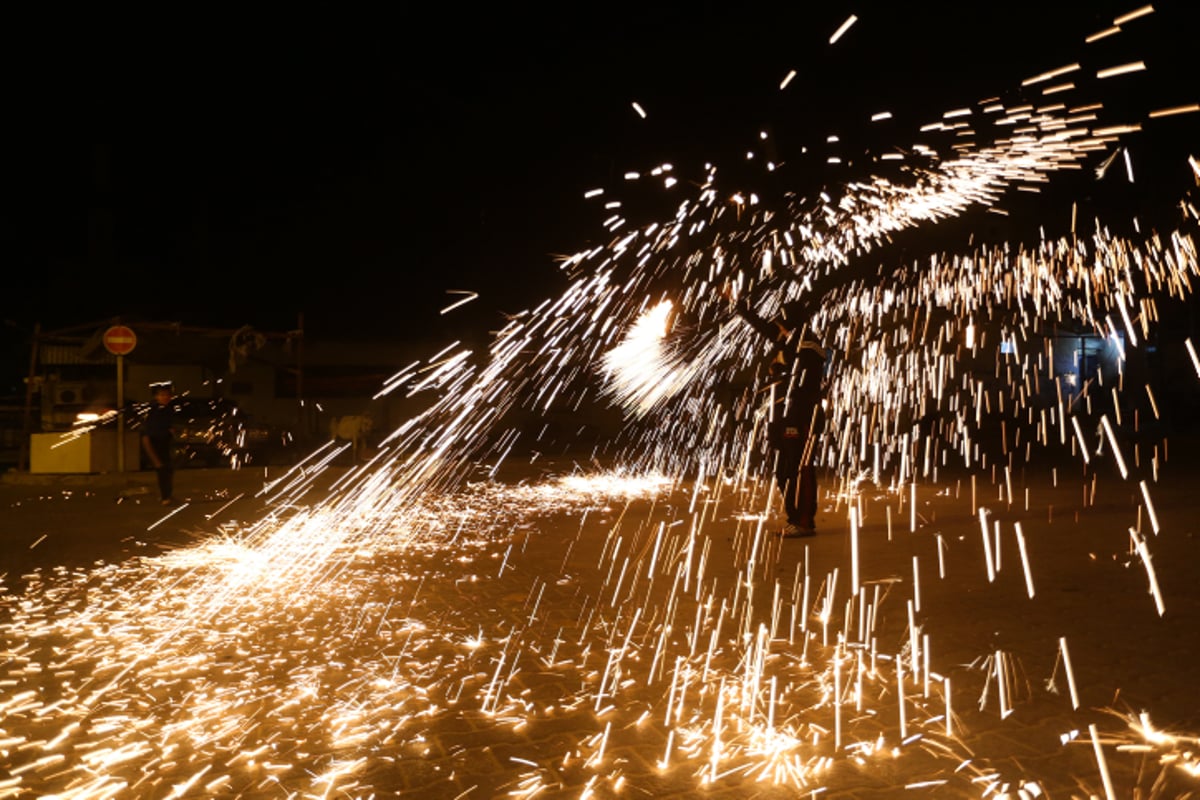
(157, 431)
(797, 372)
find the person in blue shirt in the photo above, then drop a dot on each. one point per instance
(157, 431)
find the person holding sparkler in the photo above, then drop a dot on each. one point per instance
(796, 386)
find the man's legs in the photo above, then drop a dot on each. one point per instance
(787, 473)
(165, 473)
(166, 482)
(806, 498)
(797, 482)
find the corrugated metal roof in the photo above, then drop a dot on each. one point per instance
(63, 354)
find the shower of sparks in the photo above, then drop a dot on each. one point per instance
(310, 653)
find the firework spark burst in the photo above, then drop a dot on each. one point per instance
(370, 638)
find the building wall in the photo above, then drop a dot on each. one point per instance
(189, 379)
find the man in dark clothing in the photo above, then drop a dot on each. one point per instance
(797, 389)
(157, 429)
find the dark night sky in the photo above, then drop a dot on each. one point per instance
(198, 165)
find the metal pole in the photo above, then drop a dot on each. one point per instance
(120, 413)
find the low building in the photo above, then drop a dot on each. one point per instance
(290, 389)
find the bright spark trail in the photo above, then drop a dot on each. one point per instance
(318, 652)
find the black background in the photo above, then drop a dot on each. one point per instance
(216, 167)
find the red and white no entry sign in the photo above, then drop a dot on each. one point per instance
(119, 340)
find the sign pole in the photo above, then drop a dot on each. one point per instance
(120, 413)
(120, 341)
